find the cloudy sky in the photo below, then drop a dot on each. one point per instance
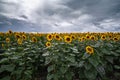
(60, 15)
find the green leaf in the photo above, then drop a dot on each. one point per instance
(75, 50)
(118, 51)
(90, 74)
(109, 59)
(69, 75)
(109, 45)
(87, 66)
(94, 60)
(4, 60)
(6, 78)
(50, 76)
(85, 56)
(98, 44)
(81, 64)
(105, 51)
(100, 69)
(17, 73)
(9, 68)
(114, 53)
(70, 58)
(2, 69)
(28, 74)
(117, 67)
(51, 68)
(81, 74)
(63, 69)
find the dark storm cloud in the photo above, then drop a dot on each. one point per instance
(61, 15)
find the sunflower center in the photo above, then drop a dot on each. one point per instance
(103, 37)
(57, 36)
(87, 36)
(115, 39)
(50, 36)
(92, 38)
(89, 49)
(68, 39)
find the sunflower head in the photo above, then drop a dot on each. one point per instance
(89, 50)
(73, 37)
(68, 39)
(34, 39)
(92, 37)
(83, 38)
(48, 44)
(24, 37)
(19, 41)
(115, 39)
(8, 40)
(87, 36)
(110, 36)
(2, 45)
(49, 37)
(57, 37)
(80, 39)
(17, 36)
(103, 37)
(10, 32)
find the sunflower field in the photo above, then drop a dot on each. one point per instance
(59, 56)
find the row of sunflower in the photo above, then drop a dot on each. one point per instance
(59, 56)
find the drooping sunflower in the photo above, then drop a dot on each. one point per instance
(17, 36)
(19, 41)
(89, 50)
(103, 37)
(24, 37)
(49, 37)
(68, 39)
(10, 32)
(8, 40)
(34, 39)
(48, 44)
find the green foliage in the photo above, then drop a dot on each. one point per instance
(61, 61)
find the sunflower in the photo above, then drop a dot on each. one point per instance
(89, 50)
(110, 36)
(34, 39)
(17, 36)
(115, 39)
(10, 32)
(57, 37)
(80, 39)
(92, 37)
(2, 45)
(87, 37)
(83, 38)
(48, 44)
(73, 37)
(19, 41)
(68, 39)
(24, 37)
(8, 40)
(103, 37)
(49, 37)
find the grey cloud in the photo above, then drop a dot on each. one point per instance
(61, 15)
